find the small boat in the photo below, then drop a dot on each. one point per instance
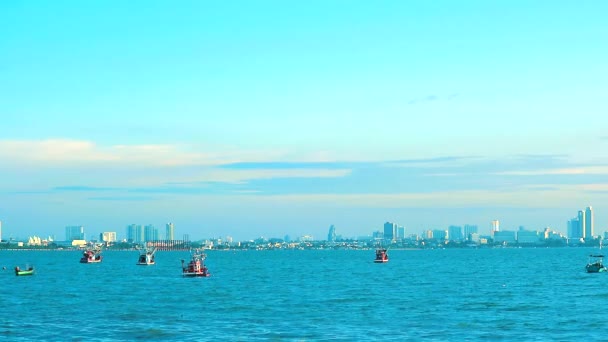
(91, 255)
(28, 271)
(596, 264)
(196, 267)
(381, 255)
(146, 256)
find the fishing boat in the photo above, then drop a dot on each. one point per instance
(28, 271)
(381, 255)
(596, 264)
(196, 267)
(146, 256)
(91, 255)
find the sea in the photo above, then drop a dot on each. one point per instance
(502, 294)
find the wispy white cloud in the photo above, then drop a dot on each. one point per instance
(582, 170)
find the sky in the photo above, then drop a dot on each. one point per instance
(272, 118)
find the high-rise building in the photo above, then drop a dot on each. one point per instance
(135, 234)
(390, 231)
(169, 231)
(495, 226)
(400, 233)
(74, 233)
(0, 230)
(331, 236)
(582, 225)
(574, 229)
(589, 222)
(468, 230)
(150, 233)
(455, 233)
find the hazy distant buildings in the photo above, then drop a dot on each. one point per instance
(331, 235)
(169, 231)
(582, 225)
(505, 237)
(470, 229)
(74, 233)
(150, 233)
(135, 234)
(439, 235)
(0, 230)
(527, 236)
(455, 233)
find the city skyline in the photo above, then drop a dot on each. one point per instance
(260, 119)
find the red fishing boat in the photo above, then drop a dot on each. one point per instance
(91, 255)
(381, 255)
(196, 267)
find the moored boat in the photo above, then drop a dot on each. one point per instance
(91, 255)
(146, 256)
(28, 271)
(381, 255)
(196, 266)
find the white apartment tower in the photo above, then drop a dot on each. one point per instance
(170, 232)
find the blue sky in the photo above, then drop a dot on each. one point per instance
(266, 118)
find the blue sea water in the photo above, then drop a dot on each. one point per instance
(307, 295)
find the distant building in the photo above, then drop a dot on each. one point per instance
(390, 231)
(589, 223)
(505, 236)
(440, 235)
(108, 237)
(74, 233)
(468, 230)
(400, 233)
(0, 230)
(150, 233)
(331, 236)
(527, 236)
(455, 233)
(495, 226)
(169, 231)
(135, 234)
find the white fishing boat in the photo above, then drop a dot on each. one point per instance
(596, 262)
(146, 256)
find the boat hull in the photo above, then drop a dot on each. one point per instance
(24, 273)
(193, 275)
(380, 261)
(89, 261)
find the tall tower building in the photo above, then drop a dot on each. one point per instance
(331, 236)
(0, 230)
(589, 222)
(495, 226)
(582, 224)
(150, 233)
(390, 231)
(170, 231)
(135, 233)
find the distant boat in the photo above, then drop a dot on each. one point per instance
(146, 256)
(92, 255)
(381, 255)
(28, 271)
(196, 267)
(596, 262)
